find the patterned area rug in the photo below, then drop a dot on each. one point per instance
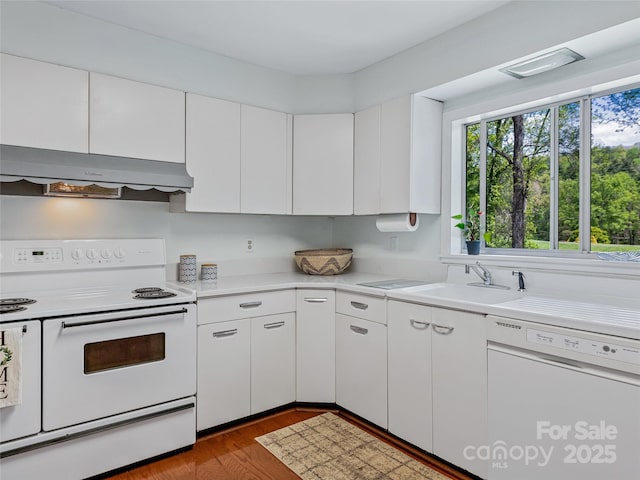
(327, 447)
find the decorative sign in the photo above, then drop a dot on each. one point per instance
(10, 367)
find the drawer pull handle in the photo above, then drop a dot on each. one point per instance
(225, 333)
(359, 305)
(250, 304)
(419, 325)
(315, 300)
(359, 330)
(270, 326)
(442, 329)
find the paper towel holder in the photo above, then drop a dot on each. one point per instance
(398, 222)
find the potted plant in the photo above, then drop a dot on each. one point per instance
(471, 229)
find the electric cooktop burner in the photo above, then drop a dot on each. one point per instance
(147, 289)
(16, 301)
(11, 308)
(154, 294)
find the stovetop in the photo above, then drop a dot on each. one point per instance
(64, 302)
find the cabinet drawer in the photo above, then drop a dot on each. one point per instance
(362, 306)
(213, 310)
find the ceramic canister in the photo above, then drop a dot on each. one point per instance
(187, 269)
(209, 272)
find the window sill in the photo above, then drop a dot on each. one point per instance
(581, 266)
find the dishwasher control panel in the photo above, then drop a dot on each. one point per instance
(585, 346)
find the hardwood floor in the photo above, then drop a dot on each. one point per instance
(233, 454)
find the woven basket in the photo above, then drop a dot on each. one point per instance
(330, 261)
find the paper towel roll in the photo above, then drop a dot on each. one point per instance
(402, 222)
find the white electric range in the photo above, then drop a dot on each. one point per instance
(105, 365)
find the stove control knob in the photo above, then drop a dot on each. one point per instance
(77, 253)
(106, 253)
(92, 253)
(119, 252)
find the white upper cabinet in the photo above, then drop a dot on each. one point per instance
(399, 157)
(43, 105)
(366, 160)
(213, 156)
(323, 164)
(133, 119)
(265, 185)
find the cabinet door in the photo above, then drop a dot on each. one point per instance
(366, 162)
(409, 381)
(213, 155)
(426, 155)
(323, 164)
(410, 155)
(265, 180)
(273, 361)
(133, 119)
(43, 105)
(361, 368)
(315, 341)
(459, 343)
(395, 154)
(224, 372)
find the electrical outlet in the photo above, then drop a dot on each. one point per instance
(250, 245)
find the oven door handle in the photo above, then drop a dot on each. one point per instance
(119, 319)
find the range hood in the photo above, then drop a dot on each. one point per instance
(51, 166)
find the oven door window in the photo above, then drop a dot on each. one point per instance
(123, 352)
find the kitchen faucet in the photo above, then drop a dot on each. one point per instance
(485, 276)
(482, 272)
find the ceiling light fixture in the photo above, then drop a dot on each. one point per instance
(542, 63)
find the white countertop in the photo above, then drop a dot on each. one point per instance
(233, 285)
(609, 315)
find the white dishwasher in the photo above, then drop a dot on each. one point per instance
(563, 404)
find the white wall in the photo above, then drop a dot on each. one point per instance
(211, 237)
(45, 32)
(519, 28)
(405, 254)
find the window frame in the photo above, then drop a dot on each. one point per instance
(584, 100)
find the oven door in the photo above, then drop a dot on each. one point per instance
(22, 419)
(95, 366)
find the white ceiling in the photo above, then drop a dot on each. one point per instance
(301, 37)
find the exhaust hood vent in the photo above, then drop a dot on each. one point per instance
(82, 169)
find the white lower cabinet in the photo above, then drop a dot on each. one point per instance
(315, 341)
(459, 369)
(245, 365)
(361, 368)
(410, 396)
(273, 361)
(224, 372)
(438, 381)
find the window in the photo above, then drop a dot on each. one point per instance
(544, 187)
